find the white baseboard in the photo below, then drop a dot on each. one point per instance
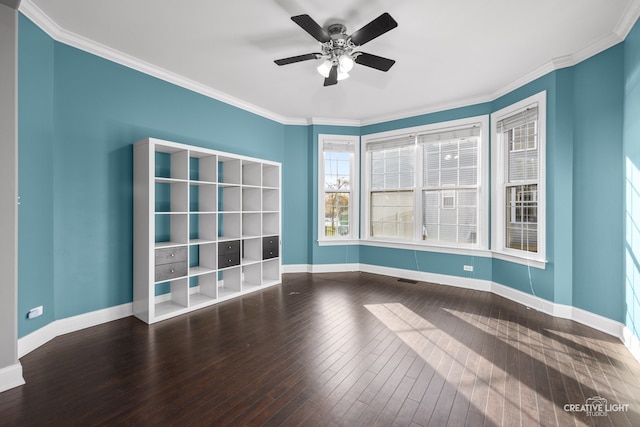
(632, 342)
(11, 377)
(422, 276)
(320, 268)
(296, 268)
(56, 328)
(598, 322)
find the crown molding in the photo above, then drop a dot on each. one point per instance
(319, 121)
(628, 19)
(35, 14)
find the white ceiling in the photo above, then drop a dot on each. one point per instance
(448, 53)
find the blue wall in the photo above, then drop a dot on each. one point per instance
(560, 195)
(79, 115)
(597, 176)
(35, 176)
(631, 153)
(296, 199)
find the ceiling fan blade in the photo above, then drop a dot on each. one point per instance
(374, 61)
(373, 29)
(333, 77)
(312, 27)
(299, 58)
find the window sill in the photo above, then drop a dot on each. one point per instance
(415, 246)
(520, 259)
(339, 242)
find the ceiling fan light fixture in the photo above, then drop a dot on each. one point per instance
(346, 63)
(342, 75)
(324, 68)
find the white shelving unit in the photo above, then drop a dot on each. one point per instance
(207, 227)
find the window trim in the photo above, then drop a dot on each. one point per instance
(354, 215)
(499, 149)
(482, 242)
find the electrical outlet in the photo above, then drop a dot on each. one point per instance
(468, 268)
(35, 312)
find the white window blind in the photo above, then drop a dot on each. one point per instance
(392, 183)
(339, 146)
(520, 139)
(390, 143)
(392, 167)
(450, 185)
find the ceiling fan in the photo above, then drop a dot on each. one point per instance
(340, 50)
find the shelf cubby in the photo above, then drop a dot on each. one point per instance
(203, 197)
(230, 198)
(203, 167)
(270, 176)
(251, 251)
(251, 225)
(202, 259)
(204, 290)
(229, 282)
(270, 223)
(251, 200)
(229, 226)
(271, 272)
(171, 297)
(171, 163)
(229, 170)
(170, 229)
(251, 276)
(170, 196)
(251, 173)
(270, 200)
(203, 228)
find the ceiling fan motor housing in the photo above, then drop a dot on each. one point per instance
(339, 44)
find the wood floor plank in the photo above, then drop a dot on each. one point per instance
(334, 349)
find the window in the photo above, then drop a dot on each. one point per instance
(450, 187)
(425, 184)
(391, 200)
(338, 184)
(518, 173)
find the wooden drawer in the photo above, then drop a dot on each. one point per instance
(232, 247)
(171, 255)
(228, 260)
(171, 271)
(270, 247)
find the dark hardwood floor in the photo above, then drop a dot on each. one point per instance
(351, 349)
